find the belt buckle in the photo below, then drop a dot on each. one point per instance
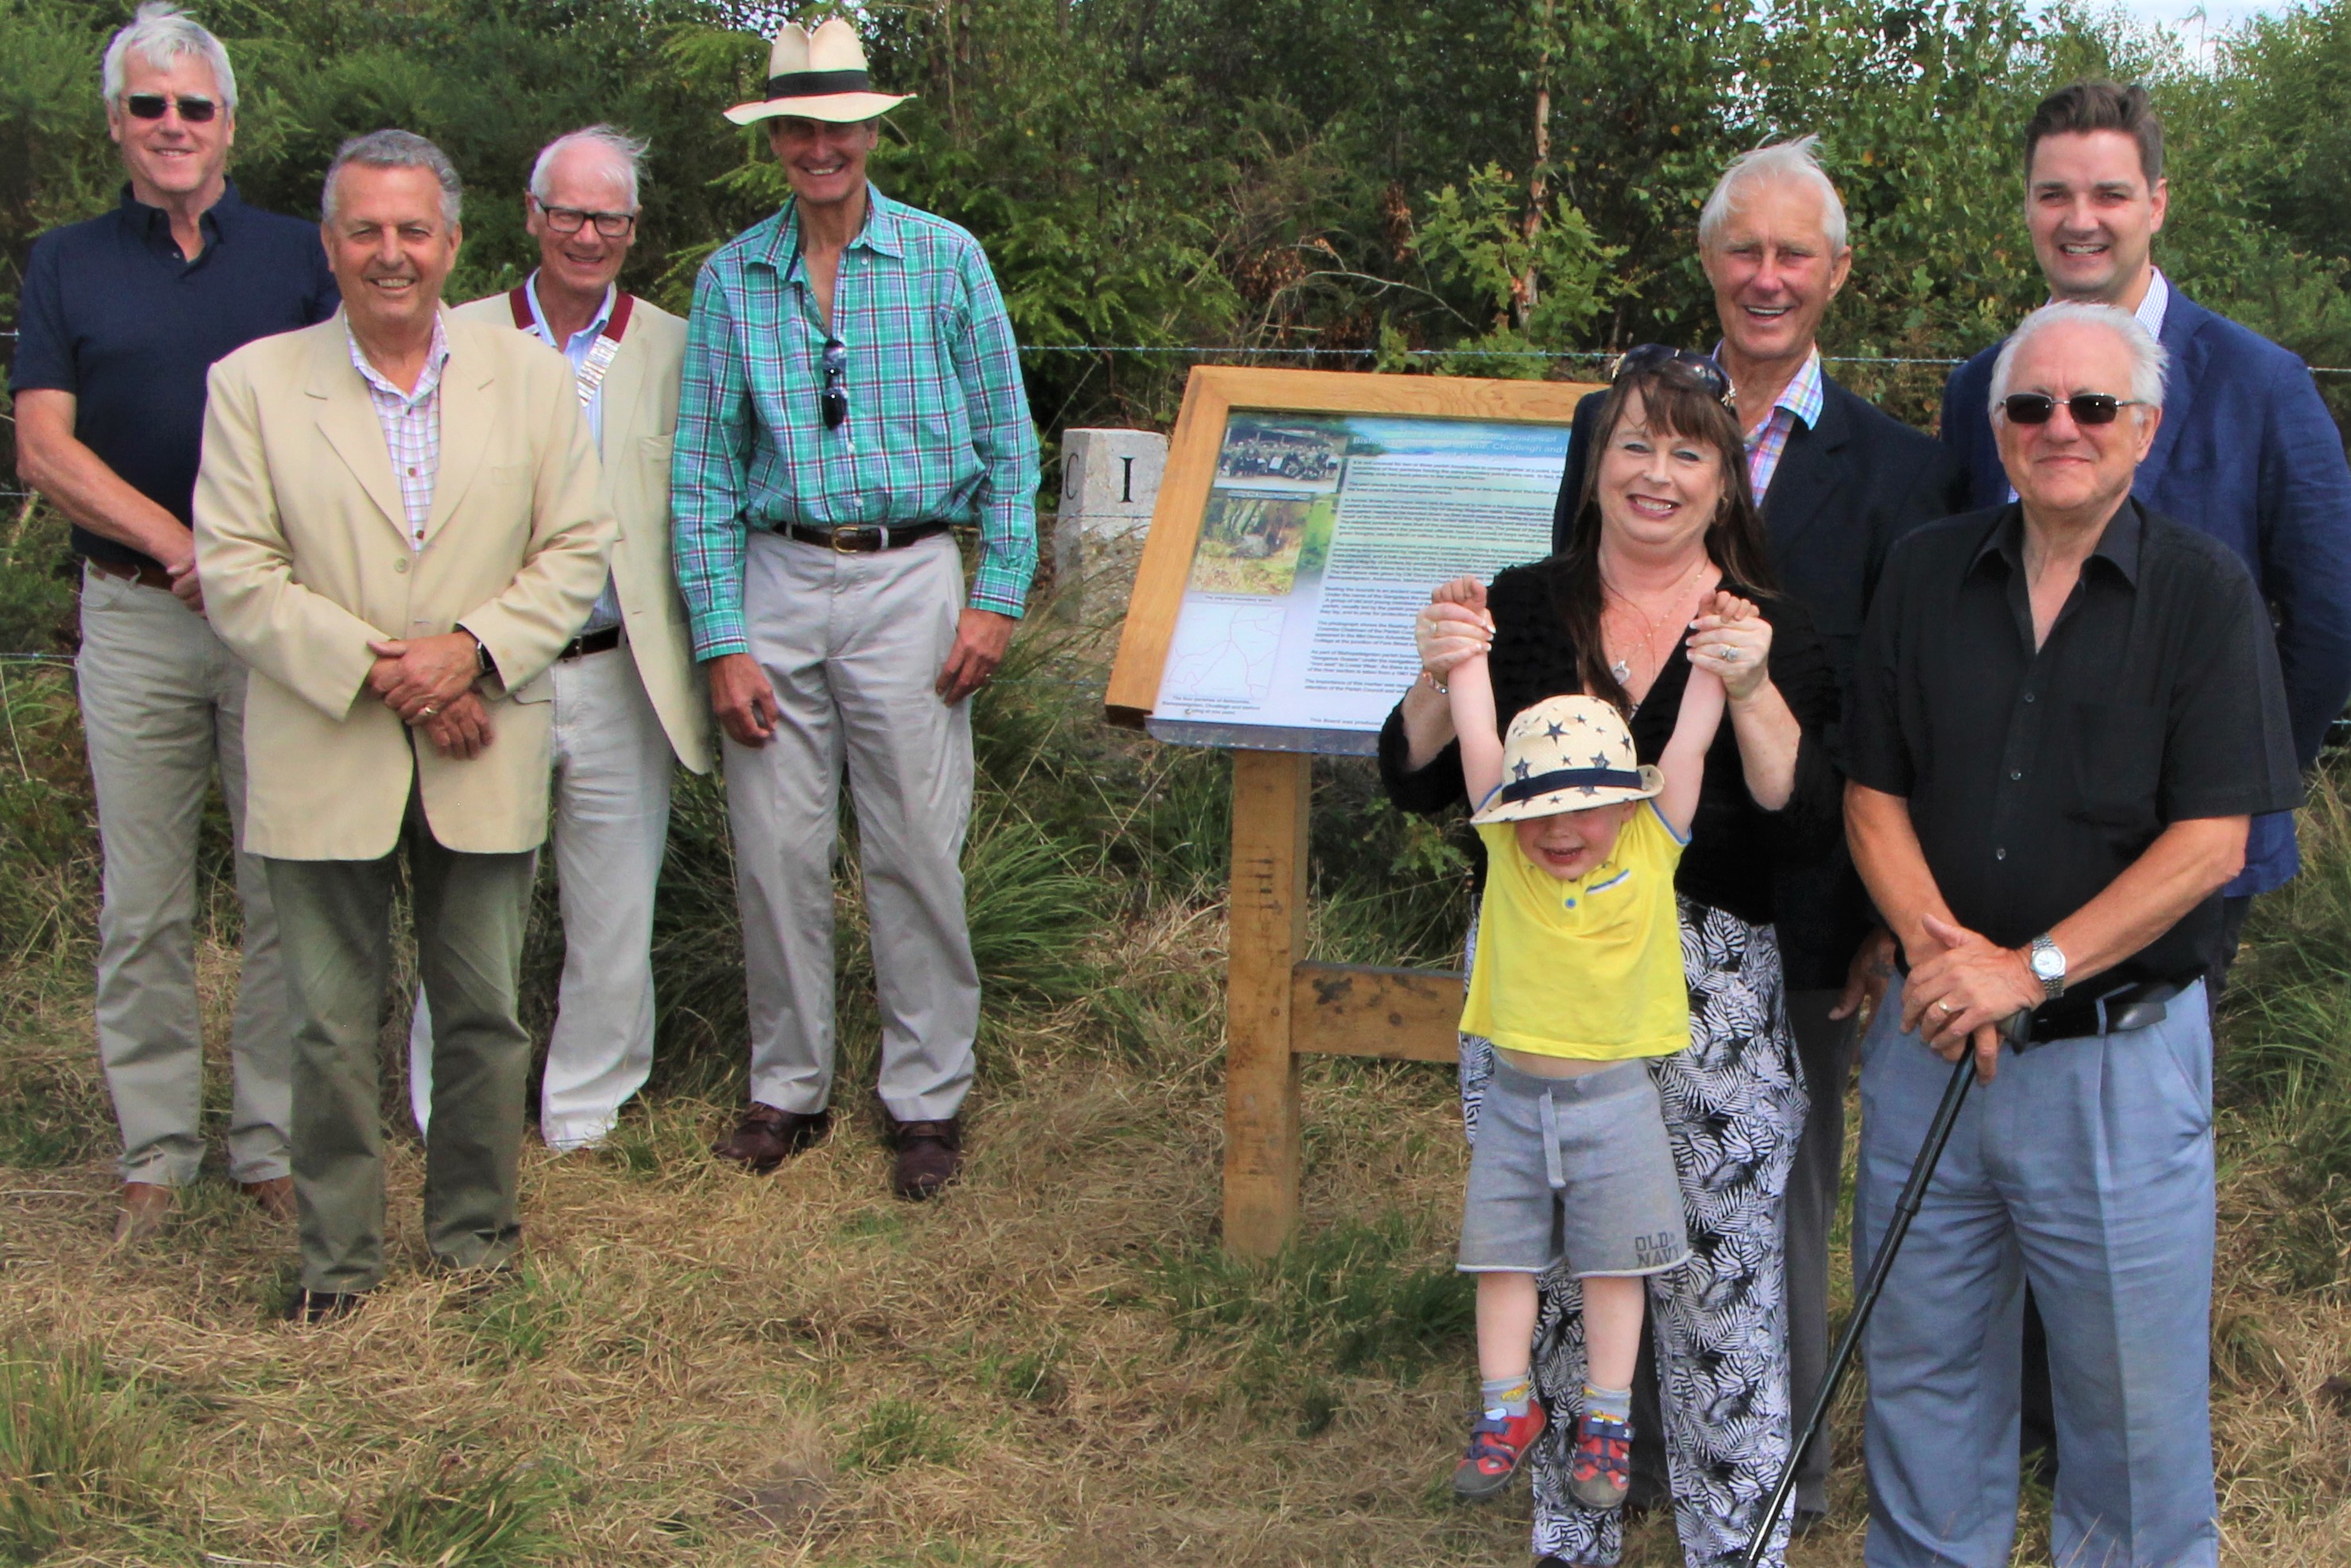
(845, 532)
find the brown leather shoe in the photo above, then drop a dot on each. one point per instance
(930, 1156)
(145, 1207)
(765, 1137)
(274, 1197)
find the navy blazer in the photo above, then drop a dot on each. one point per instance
(2248, 454)
(1846, 488)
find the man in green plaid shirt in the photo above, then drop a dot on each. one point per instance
(852, 390)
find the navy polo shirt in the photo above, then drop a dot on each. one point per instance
(112, 313)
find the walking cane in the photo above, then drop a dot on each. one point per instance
(1905, 1209)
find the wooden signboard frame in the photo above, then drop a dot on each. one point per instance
(1279, 1008)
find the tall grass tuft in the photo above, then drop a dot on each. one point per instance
(81, 1450)
(454, 1512)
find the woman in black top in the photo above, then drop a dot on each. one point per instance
(1667, 518)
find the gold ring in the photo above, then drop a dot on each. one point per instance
(427, 711)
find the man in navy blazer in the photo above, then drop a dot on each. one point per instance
(2247, 453)
(1838, 483)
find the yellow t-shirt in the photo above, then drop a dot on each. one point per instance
(1591, 969)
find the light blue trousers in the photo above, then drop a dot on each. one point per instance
(2086, 1168)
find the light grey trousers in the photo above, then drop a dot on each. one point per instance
(470, 911)
(612, 767)
(162, 706)
(853, 644)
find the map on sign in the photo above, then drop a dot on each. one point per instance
(1323, 535)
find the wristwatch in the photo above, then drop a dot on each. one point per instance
(484, 664)
(2048, 961)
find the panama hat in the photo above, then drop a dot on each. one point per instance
(818, 75)
(1567, 754)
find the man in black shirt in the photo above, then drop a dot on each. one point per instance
(120, 317)
(2066, 712)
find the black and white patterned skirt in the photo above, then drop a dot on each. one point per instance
(1734, 1103)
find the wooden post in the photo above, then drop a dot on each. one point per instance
(1266, 933)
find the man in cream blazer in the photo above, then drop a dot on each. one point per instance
(400, 521)
(624, 696)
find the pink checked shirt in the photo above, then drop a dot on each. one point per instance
(1801, 402)
(411, 428)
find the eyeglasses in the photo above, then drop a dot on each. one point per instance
(1701, 368)
(570, 220)
(2087, 408)
(151, 105)
(834, 400)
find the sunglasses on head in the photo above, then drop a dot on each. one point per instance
(1699, 367)
(2087, 408)
(151, 105)
(834, 400)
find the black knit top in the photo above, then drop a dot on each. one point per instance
(1734, 844)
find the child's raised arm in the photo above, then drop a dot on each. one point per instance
(1703, 701)
(1470, 693)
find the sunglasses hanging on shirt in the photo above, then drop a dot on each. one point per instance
(151, 105)
(2087, 408)
(834, 401)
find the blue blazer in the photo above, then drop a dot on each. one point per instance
(2248, 454)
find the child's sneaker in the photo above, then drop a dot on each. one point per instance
(1494, 1449)
(1599, 1468)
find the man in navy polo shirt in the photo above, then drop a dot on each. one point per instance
(120, 317)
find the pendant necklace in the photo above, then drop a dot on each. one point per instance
(1623, 668)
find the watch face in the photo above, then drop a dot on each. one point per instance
(2048, 963)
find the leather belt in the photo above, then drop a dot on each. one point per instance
(2117, 1012)
(863, 541)
(588, 643)
(145, 575)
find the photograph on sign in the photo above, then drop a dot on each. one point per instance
(1321, 535)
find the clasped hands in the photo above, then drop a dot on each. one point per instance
(1962, 996)
(1730, 639)
(429, 683)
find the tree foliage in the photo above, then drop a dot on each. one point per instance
(1445, 184)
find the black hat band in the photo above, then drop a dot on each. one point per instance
(819, 84)
(1520, 789)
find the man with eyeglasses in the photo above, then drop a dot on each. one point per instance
(2066, 712)
(119, 318)
(624, 698)
(851, 392)
(2247, 453)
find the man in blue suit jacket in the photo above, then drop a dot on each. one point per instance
(2247, 453)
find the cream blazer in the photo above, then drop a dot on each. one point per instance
(303, 547)
(640, 394)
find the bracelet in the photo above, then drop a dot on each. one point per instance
(1432, 684)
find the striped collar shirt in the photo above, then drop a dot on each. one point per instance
(1800, 403)
(938, 426)
(607, 613)
(412, 427)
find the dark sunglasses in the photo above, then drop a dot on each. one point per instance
(2087, 408)
(570, 220)
(1701, 368)
(151, 105)
(834, 400)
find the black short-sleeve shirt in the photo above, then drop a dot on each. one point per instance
(112, 313)
(2035, 778)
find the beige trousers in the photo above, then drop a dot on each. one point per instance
(163, 708)
(853, 644)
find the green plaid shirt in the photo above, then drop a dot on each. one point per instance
(938, 422)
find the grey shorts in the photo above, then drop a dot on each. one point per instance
(1573, 1168)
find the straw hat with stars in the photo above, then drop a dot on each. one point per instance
(1567, 754)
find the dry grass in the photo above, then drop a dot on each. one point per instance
(1053, 1365)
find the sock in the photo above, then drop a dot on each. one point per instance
(1506, 1398)
(1609, 1403)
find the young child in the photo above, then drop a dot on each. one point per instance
(1577, 977)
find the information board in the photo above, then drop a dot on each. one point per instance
(1298, 541)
